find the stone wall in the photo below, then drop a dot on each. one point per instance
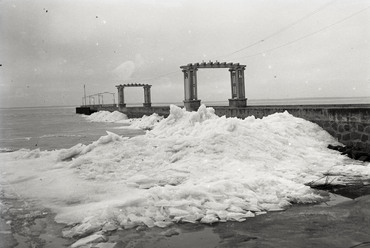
(84, 110)
(350, 124)
(137, 112)
(89, 109)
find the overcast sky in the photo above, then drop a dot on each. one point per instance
(292, 48)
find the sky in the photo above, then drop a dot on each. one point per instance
(50, 49)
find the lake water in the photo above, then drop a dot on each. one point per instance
(50, 128)
(111, 173)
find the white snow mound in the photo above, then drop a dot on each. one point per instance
(106, 116)
(145, 122)
(192, 167)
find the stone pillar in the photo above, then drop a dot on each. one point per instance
(238, 99)
(191, 101)
(233, 84)
(241, 88)
(147, 101)
(121, 96)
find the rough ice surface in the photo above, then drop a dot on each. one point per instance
(192, 167)
(106, 116)
(145, 123)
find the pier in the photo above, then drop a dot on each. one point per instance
(348, 123)
(94, 106)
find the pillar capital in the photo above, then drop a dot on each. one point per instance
(189, 69)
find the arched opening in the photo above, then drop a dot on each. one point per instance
(191, 101)
(121, 94)
(214, 89)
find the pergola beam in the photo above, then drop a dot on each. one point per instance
(121, 94)
(191, 100)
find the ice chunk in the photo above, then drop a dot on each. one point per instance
(106, 116)
(191, 167)
(94, 238)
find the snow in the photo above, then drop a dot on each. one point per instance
(145, 123)
(191, 167)
(94, 238)
(106, 116)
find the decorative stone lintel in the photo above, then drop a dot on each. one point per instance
(238, 103)
(192, 105)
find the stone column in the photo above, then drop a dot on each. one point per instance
(238, 99)
(191, 101)
(121, 96)
(147, 101)
(241, 88)
(233, 83)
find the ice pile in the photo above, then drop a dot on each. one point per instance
(145, 122)
(106, 116)
(192, 167)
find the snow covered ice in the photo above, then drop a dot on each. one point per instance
(106, 116)
(191, 167)
(145, 123)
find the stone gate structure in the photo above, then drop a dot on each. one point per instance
(237, 99)
(121, 94)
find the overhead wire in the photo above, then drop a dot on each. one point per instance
(274, 34)
(158, 76)
(307, 35)
(279, 31)
(257, 42)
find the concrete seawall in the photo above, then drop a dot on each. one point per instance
(349, 123)
(89, 109)
(138, 112)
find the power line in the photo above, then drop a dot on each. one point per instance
(159, 76)
(308, 35)
(257, 42)
(276, 33)
(280, 30)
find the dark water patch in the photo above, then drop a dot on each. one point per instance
(351, 191)
(352, 152)
(24, 225)
(343, 224)
(350, 187)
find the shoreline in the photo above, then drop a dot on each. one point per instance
(301, 225)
